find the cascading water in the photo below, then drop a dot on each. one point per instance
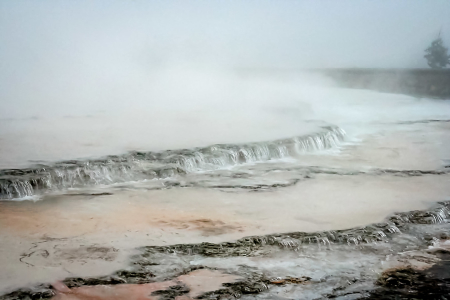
(19, 183)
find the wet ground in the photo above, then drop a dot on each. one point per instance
(107, 242)
(405, 257)
(319, 215)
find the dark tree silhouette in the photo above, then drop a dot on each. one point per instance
(436, 54)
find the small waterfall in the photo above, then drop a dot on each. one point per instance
(19, 183)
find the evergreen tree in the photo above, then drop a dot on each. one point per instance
(436, 54)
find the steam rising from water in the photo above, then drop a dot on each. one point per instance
(192, 110)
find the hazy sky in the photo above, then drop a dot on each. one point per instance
(270, 33)
(70, 47)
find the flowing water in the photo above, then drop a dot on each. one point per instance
(238, 155)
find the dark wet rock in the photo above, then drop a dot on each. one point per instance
(90, 194)
(253, 283)
(122, 276)
(400, 278)
(409, 283)
(290, 280)
(144, 262)
(247, 287)
(171, 292)
(444, 236)
(257, 187)
(243, 247)
(38, 293)
(135, 277)
(106, 280)
(409, 173)
(433, 216)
